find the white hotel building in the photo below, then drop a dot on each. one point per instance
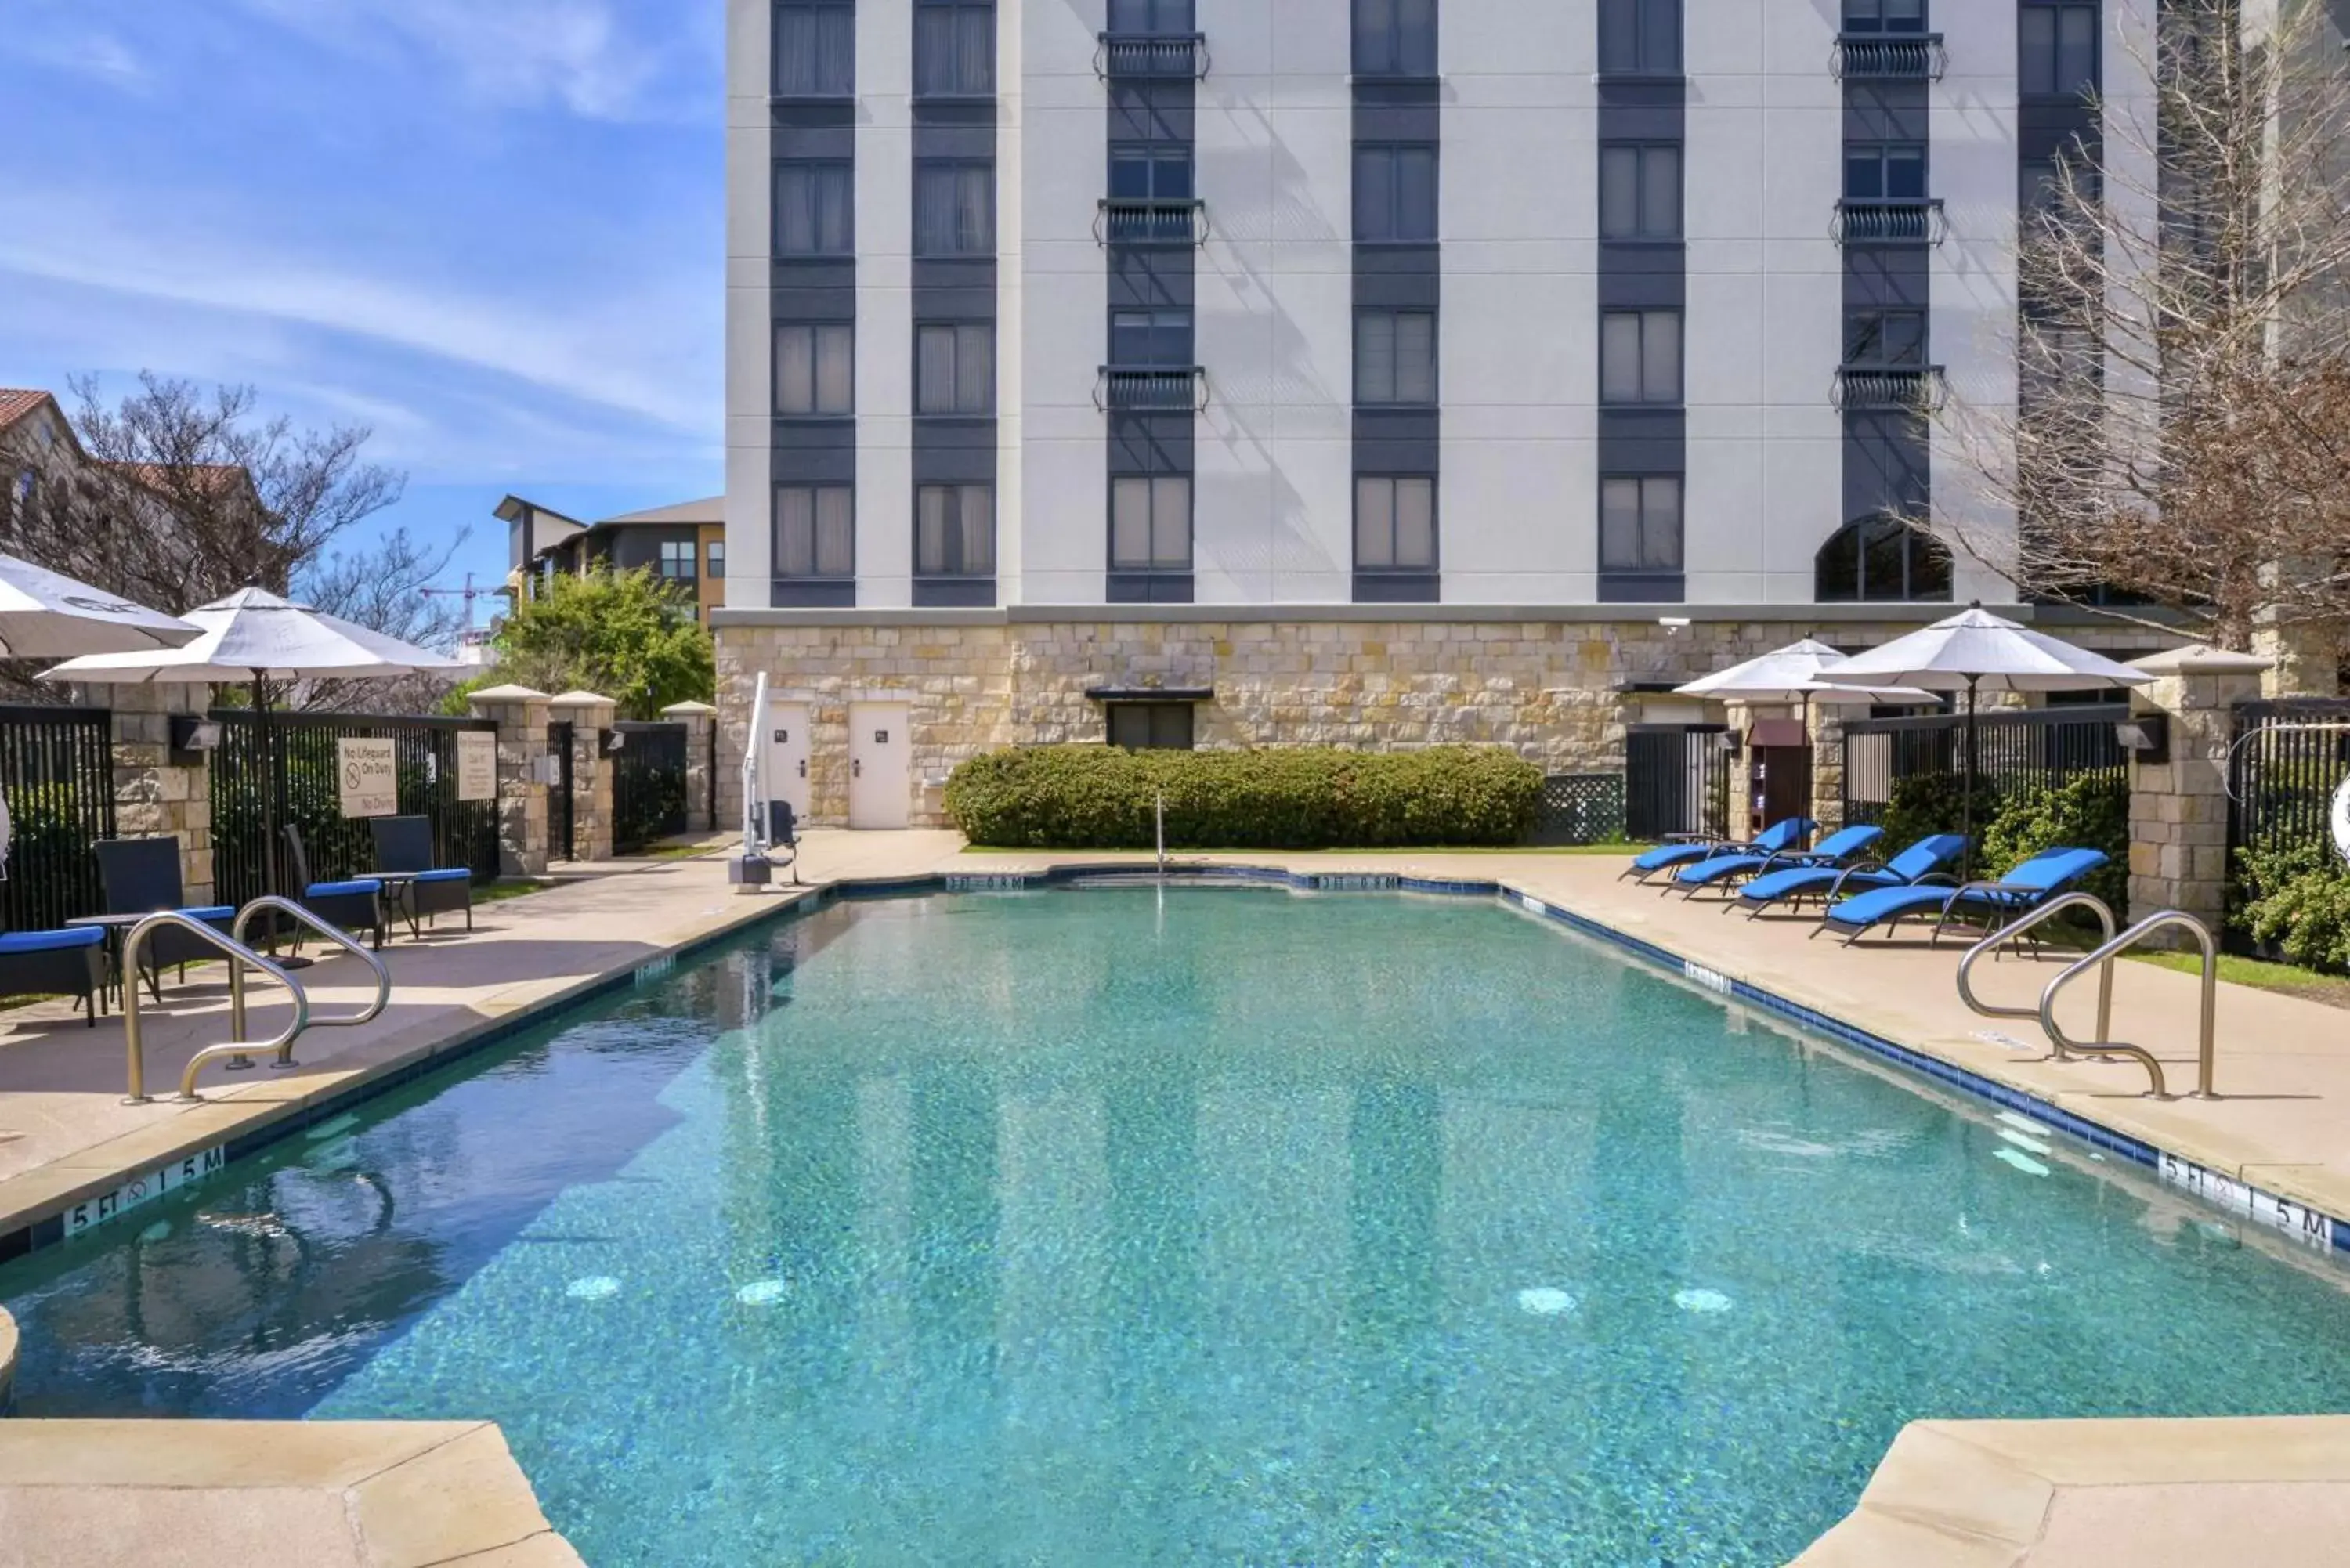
(1368, 371)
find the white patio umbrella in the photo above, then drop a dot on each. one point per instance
(47, 615)
(1976, 651)
(252, 634)
(1792, 675)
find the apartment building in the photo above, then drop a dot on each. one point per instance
(684, 545)
(1376, 372)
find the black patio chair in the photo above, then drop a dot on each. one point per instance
(355, 904)
(424, 890)
(141, 876)
(70, 962)
(783, 833)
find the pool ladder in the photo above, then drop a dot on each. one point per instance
(2062, 1046)
(239, 1052)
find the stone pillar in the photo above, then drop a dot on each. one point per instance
(155, 793)
(591, 717)
(1828, 764)
(2178, 809)
(700, 722)
(1742, 826)
(523, 765)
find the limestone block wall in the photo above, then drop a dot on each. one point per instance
(1561, 694)
(155, 793)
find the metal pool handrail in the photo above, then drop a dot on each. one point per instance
(335, 934)
(2006, 934)
(2170, 919)
(239, 955)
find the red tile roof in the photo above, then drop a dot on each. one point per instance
(15, 403)
(208, 475)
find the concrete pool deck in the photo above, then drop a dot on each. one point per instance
(2283, 1125)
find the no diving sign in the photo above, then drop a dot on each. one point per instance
(2342, 819)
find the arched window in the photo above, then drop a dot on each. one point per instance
(1880, 560)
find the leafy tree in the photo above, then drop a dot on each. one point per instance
(627, 635)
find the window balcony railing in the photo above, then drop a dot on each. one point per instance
(1148, 221)
(1890, 57)
(1898, 221)
(1151, 389)
(1890, 389)
(1161, 54)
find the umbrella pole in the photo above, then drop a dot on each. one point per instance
(1966, 870)
(272, 783)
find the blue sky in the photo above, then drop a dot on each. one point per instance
(490, 230)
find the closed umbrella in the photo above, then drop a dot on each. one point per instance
(1975, 651)
(253, 635)
(1792, 675)
(47, 615)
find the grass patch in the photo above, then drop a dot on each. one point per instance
(506, 888)
(2312, 985)
(675, 852)
(1627, 850)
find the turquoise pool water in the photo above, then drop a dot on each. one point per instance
(1095, 1227)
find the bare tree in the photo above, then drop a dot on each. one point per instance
(382, 589)
(2180, 440)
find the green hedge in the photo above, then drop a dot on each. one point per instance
(1101, 797)
(2087, 811)
(2295, 902)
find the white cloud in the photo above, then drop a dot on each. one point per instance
(648, 352)
(98, 56)
(579, 54)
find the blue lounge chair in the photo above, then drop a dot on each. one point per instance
(2027, 884)
(1919, 864)
(70, 962)
(1780, 836)
(1834, 850)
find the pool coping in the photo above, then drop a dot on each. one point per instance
(197, 1155)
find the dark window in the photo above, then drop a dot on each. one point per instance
(954, 531)
(1881, 560)
(1640, 37)
(1891, 338)
(2055, 361)
(1395, 356)
(1395, 193)
(1150, 523)
(815, 206)
(1161, 18)
(1150, 726)
(816, 368)
(954, 208)
(1641, 357)
(718, 560)
(1395, 38)
(955, 367)
(1640, 524)
(1884, 16)
(1149, 171)
(24, 499)
(1640, 192)
(1138, 338)
(816, 531)
(1885, 172)
(954, 48)
(816, 48)
(2056, 49)
(1394, 523)
(677, 560)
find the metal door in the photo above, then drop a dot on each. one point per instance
(787, 776)
(559, 804)
(880, 766)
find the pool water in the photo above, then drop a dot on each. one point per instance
(1094, 1227)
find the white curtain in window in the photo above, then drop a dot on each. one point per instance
(1619, 356)
(795, 532)
(835, 370)
(978, 525)
(1660, 357)
(1375, 356)
(934, 371)
(1415, 358)
(1374, 524)
(816, 50)
(1171, 523)
(836, 531)
(1660, 193)
(1415, 524)
(1130, 523)
(974, 383)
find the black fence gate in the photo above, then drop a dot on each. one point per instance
(307, 786)
(2290, 756)
(2016, 749)
(57, 772)
(558, 806)
(648, 783)
(1676, 780)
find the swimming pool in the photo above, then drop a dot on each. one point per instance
(1083, 1227)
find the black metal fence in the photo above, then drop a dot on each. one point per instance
(306, 779)
(1580, 808)
(2289, 757)
(56, 771)
(2016, 749)
(648, 783)
(559, 817)
(1676, 780)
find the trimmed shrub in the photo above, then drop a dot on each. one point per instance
(1102, 797)
(1923, 805)
(2087, 811)
(2297, 902)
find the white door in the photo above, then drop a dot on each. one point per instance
(787, 755)
(881, 765)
